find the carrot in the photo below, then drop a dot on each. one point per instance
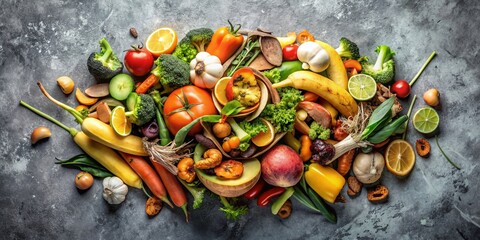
(305, 152)
(148, 175)
(146, 84)
(352, 63)
(345, 162)
(174, 189)
(309, 96)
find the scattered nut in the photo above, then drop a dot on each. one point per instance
(153, 206)
(66, 84)
(186, 171)
(286, 210)
(423, 147)
(340, 199)
(133, 32)
(377, 194)
(354, 186)
(40, 133)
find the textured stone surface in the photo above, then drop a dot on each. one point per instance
(41, 41)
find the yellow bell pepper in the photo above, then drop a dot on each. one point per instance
(325, 181)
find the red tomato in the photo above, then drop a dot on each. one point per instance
(138, 61)
(401, 88)
(290, 52)
(186, 104)
(83, 180)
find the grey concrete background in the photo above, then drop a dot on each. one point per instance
(42, 40)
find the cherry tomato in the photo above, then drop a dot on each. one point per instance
(138, 61)
(401, 88)
(290, 52)
(83, 180)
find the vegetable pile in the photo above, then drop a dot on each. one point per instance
(252, 117)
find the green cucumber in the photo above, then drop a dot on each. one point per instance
(121, 86)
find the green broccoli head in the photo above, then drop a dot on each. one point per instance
(318, 131)
(348, 49)
(185, 50)
(143, 111)
(172, 72)
(383, 71)
(105, 64)
(200, 38)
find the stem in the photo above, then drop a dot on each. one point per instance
(434, 53)
(408, 115)
(285, 83)
(445, 155)
(344, 146)
(78, 116)
(225, 201)
(145, 191)
(72, 131)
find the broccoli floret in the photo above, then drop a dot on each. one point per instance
(384, 69)
(105, 64)
(185, 50)
(200, 38)
(197, 192)
(254, 127)
(318, 131)
(172, 72)
(282, 114)
(143, 111)
(348, 49)
(240, 133)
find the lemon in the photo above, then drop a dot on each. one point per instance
(119, 121)
(400, 157)
(362, 87)
(426, 120)
(162, 41)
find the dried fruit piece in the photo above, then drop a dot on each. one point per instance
(153, 206)
(378, 194)
(186, 170)
(212, 157)
(286, 210)
(229, 169)
(423, 147)
(354, 186)
(133, 32)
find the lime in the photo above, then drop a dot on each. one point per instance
(426, 120)
(400, 157)
(362, 87)
(119, 121)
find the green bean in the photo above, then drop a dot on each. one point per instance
(387, 131)
(163, 132)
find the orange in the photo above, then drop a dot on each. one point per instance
(162, 41)
(264, 138)
(400, 157)
(119, 121)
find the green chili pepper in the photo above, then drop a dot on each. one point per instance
(288, 68)
(387, 131)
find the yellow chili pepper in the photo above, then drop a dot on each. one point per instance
(325, 181)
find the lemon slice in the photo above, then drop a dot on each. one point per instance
(426, 120)
(400, 157)
(119, 121)
(162, 41)
(362, 87)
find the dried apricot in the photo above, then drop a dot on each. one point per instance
(378, 194)
(423, 147)
(153, 206)
(186, 170)
(229, 169)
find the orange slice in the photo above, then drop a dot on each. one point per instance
(264, 138)
(162, 41)
(400, 157)
(119, 121)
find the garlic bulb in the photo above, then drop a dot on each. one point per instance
(114, 190)
(368, 167)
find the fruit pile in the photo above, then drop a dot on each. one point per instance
(246, 117)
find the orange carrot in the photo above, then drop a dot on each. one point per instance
(174, 189)
(352, 63)
(148, 175)
(309, 96)
(345, 162)
(146, 84)
(305, 152)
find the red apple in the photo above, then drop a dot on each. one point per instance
(282, 166)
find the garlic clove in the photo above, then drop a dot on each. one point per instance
(40, 133)
(66, 84)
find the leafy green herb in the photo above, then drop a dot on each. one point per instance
(246, 56)
(231, 108)
(380, 116)
(232, 211)
(87, 164)
(445, 155)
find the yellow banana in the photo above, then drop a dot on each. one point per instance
(336, 70)
(323, 87)
(289, 39)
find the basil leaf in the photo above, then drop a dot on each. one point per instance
(96, 172)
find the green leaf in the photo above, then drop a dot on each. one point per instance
(231, 108)
(96, 172)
